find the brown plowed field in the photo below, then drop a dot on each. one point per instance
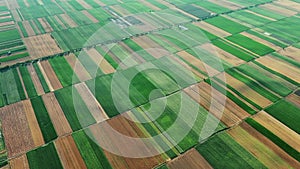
(45, 25)
(68, 153)
(41, 45)
(35, 79)
(55, 83)
(19, 163)
(189, 160)
(278, 9)
(28, 28)
(78, 68)
(16, 130)
(68, 20)
(84, 4)
(212, 29)
(56, 114)
(291, 52)
(102, 62)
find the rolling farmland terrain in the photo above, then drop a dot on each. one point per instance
(142, 84)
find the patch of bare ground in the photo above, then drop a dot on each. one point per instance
(16, 15)
(33, 124)
(275, 8)
(68, 20)
(212, 29)
(51, 76)
(56, 114)
(7, 23)
(45, 76)
(102, 134)
(151, 47)
(191, 160)
(101, 61)
(291, 52)
(222, 55)
(19, 162)
(287, 4)
(91, 102)
(45, 25)
(78, 68)
(41, 45)
(282, 131)
(35, 79)
(28, 28)
(12, 4)
(247, 91)
(91, 17)
(261, 147)
(280, 66)
(16, 130)
(68, 153)
(226, 4)
(294, 98)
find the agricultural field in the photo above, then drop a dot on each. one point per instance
(149, 84)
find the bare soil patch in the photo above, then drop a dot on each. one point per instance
(69, 21)
(55, 83)
(19, 163)
(35, 79)
(101, 61)
(78, 68)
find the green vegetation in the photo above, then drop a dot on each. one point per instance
(44, 157)
(43, 119)
(91, 67)
(9, 35)
(240, 53)
(198, 12)
(135, 7)
(19, 84)
(74, 108)
(286, 59)
(91, 153)
(250, 44)
(14, 57)
(9, 87)
(212, 6)
(267, 12)
(30, 89)
(106, 56)
(249, 18)
(226, 24)
(265, 37)
(278, 141)
(138, 49)
(221, 151)
(63, 71)
(287, 113)
(41, 78)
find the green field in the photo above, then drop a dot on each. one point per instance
(227, 25)
(30, 89)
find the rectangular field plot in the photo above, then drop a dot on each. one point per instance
(194, 10)
(226, 24)
(250, 18)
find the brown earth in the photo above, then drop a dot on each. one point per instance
(35, 27)
(41, 45)
(282, 131)
(280, 66)
(19, 163)
(128, 128)
(226, 4)
(91, 17)
(287, 4)
(78, 68)
(68, 20)
(91, 102)
(12, 4)
(7, 23)
(267, 43)
(291, 52)
(197, 63)
(247, 91)
(51, 76)
(45, 76)
(28, 28)
(16, 15)
(212, 29)
(275, 8)
(15, 128)
(84, 4)
(33, 124)
(56, 114)
(294, 99)
(35, 79)
(222, 55)
(68, 153)
(189, 160)
(45, 25)
(150, 46)
(101, 61)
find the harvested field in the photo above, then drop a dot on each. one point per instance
(282, 67)
(247, 91)
(191, 160)
(226, 4)
(50, 75)
(91, 102)
(151, 47)
(78, 68)
(291, 52)
(7, 23)
(264, 150)
(99, 59)
(12, 4)
(56, 114)
(271, 45)
(91, 17)
(35, 79)
(294, 98)
(33, 124)
(19, 163)
(68, 20)
(16, 15)
(16, 130)
(126, 127)
(279, 129)
(41, 45)
(278, 9)
(287, 4)
(68, 153)
(45, 25)
(28, 28)
(198, 63)
(212, 29)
